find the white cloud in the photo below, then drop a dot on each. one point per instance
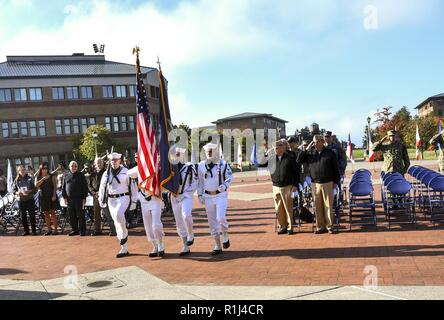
(191, 33)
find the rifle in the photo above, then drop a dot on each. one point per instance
(108, 170)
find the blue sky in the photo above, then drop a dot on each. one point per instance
(304, 61)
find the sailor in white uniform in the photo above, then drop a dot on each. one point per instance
(151, 207)
(183, 203)
(116, 192)
(215, 178)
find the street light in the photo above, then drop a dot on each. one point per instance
(95, 135)
(368, 135)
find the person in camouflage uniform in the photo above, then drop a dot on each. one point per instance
(439, 138)
(396, 158)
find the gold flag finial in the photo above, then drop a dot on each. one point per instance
(158, 63)
(136, 50)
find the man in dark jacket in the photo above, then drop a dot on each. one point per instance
(324, 172)
(285, 177)
(75, 191)
(94, 186)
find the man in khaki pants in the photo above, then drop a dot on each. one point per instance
(285, 177)
(324, 171)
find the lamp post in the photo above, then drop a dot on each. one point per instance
(95, 135)
(368, 135)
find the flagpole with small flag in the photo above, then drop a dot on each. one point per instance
(9, 178)
(418, 143)
(350, 152)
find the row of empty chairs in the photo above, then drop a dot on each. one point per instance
(429, 192)
(398, 199)
(361, 199)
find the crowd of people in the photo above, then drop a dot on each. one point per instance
(115, 191)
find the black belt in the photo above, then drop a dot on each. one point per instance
(212, 193)
(113, 196)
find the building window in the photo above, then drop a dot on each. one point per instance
(5, 95)
(33, 128)
(253, 120)
(440, 113)
(14, 129)
(5, 129)
(35, 94)
(84, 124)
(75, 126)
(58, 93)
(86, 92)
(132, 91)
(58, 127)
(92, 121)
(72, 93)
(23, 129)
(108, 123)
(20, 94)
(67, 126)
(35, 162)
(155, 92)
(120, 91)
(42, 128)
(132, 125)
(124, 125)
(108, 91)
(116, 124)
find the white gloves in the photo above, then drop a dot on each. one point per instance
(221, 188)
(201, 200)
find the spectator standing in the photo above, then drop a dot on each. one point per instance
(47, 183)
(75, 191)
(3, 184)
(24, 189)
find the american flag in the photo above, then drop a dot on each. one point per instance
(148, 154)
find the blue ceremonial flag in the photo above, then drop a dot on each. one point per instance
(169, 172)
(253, 157)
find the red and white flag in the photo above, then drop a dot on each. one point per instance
(350, 150)
(372, 155)
(148, 154)
(418, 143)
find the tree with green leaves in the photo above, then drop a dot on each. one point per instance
(99, 136)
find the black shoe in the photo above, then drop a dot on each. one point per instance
(322, 231)
(55, 233)
(282, 231)
(161, 254)
(122, 255)
(96, 233)
(48, 233)
(290, 232)
(73, 233)
(216, 252)
(111, 234)
(153, 255)
(182, 254)
(226, 245)
(190, 243)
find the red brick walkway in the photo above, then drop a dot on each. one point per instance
(403, 256)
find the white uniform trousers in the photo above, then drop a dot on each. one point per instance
(151, 212)
(182, 215)
(216, 207)
(117, 208)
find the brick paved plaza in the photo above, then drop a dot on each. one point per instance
(406, 255)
